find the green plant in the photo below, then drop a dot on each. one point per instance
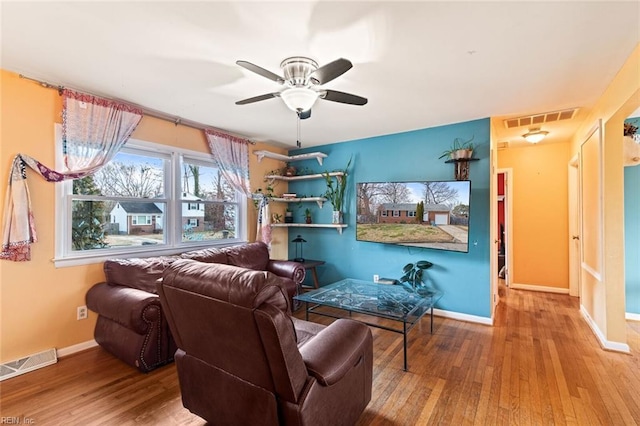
(87, 217)
(420, 212)
(307, 213)
(335, 194)
(413, 272)
(457, 145)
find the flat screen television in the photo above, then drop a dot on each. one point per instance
(427, 214)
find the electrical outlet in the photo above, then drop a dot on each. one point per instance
(81, 313)
(376, 277)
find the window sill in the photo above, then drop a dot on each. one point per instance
(88, 259)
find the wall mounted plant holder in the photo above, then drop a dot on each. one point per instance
(461, 167)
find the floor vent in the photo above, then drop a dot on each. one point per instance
(30, 363)
(537, 119)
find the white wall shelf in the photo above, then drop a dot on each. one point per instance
(336, 226)
(288, 158)
(301, 177)
(319, 200)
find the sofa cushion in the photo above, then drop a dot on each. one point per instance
(139, 273)
(251, 256)
(209, 255)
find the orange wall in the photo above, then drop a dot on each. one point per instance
(540, 213)
(37, 300)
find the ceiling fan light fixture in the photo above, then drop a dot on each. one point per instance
(535, 135)
(299, 99)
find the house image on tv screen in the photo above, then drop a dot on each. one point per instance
(435, 214)
(427, 214)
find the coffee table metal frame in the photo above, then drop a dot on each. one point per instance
(393, 302)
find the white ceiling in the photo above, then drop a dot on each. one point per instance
(420, 64)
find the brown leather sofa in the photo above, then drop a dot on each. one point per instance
(131, 324)
(243, 359)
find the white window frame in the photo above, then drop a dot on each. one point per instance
(172, 227)
(411, 213)
(383, 213)
(396, 213)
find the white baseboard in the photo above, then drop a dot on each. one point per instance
(631, 317)
(76, 348)
(463, 317)
(545, 289)
(606, 344)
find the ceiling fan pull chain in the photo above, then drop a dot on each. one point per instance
(298, 131)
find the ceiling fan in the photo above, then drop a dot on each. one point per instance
(302, 78)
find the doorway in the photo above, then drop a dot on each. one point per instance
(505, 228)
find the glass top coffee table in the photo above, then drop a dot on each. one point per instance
(393, 302)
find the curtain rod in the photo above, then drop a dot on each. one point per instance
(146, 111)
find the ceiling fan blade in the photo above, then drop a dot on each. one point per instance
(334, 69)
(345, 98)
(303, 115)
(261, 71)
(258, 98)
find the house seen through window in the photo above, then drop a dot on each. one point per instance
(128, 204)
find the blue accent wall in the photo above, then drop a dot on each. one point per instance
(632, 233)
(463, 277)
(632, 238)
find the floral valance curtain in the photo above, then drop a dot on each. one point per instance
(231, 155)
(93, 131)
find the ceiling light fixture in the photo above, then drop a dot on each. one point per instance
(299, 99)
(535, 135)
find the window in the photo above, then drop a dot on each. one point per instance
(141, 220)
(128, 207)
(383, 213)
(396, 213)
(411, 213)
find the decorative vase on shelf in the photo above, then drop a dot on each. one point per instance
(337, 218)
(289, 170)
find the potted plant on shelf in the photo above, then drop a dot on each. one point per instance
(413, 274)
(459, 150)
(335, 194)
(307, 215)
(288, 216)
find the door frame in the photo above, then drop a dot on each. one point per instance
(575, 227)
(508, 219)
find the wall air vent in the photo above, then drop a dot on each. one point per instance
(503, 145)
(26, 364)
(537, 119)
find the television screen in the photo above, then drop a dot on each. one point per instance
(428, 214)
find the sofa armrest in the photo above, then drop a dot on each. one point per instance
(288, 269)
(129, 307)
(335, 350)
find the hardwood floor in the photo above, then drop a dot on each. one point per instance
(540, 364)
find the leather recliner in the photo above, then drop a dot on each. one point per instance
(131, 323)
(243, 359)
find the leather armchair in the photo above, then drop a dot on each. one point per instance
(131, 324)
(242, 358)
